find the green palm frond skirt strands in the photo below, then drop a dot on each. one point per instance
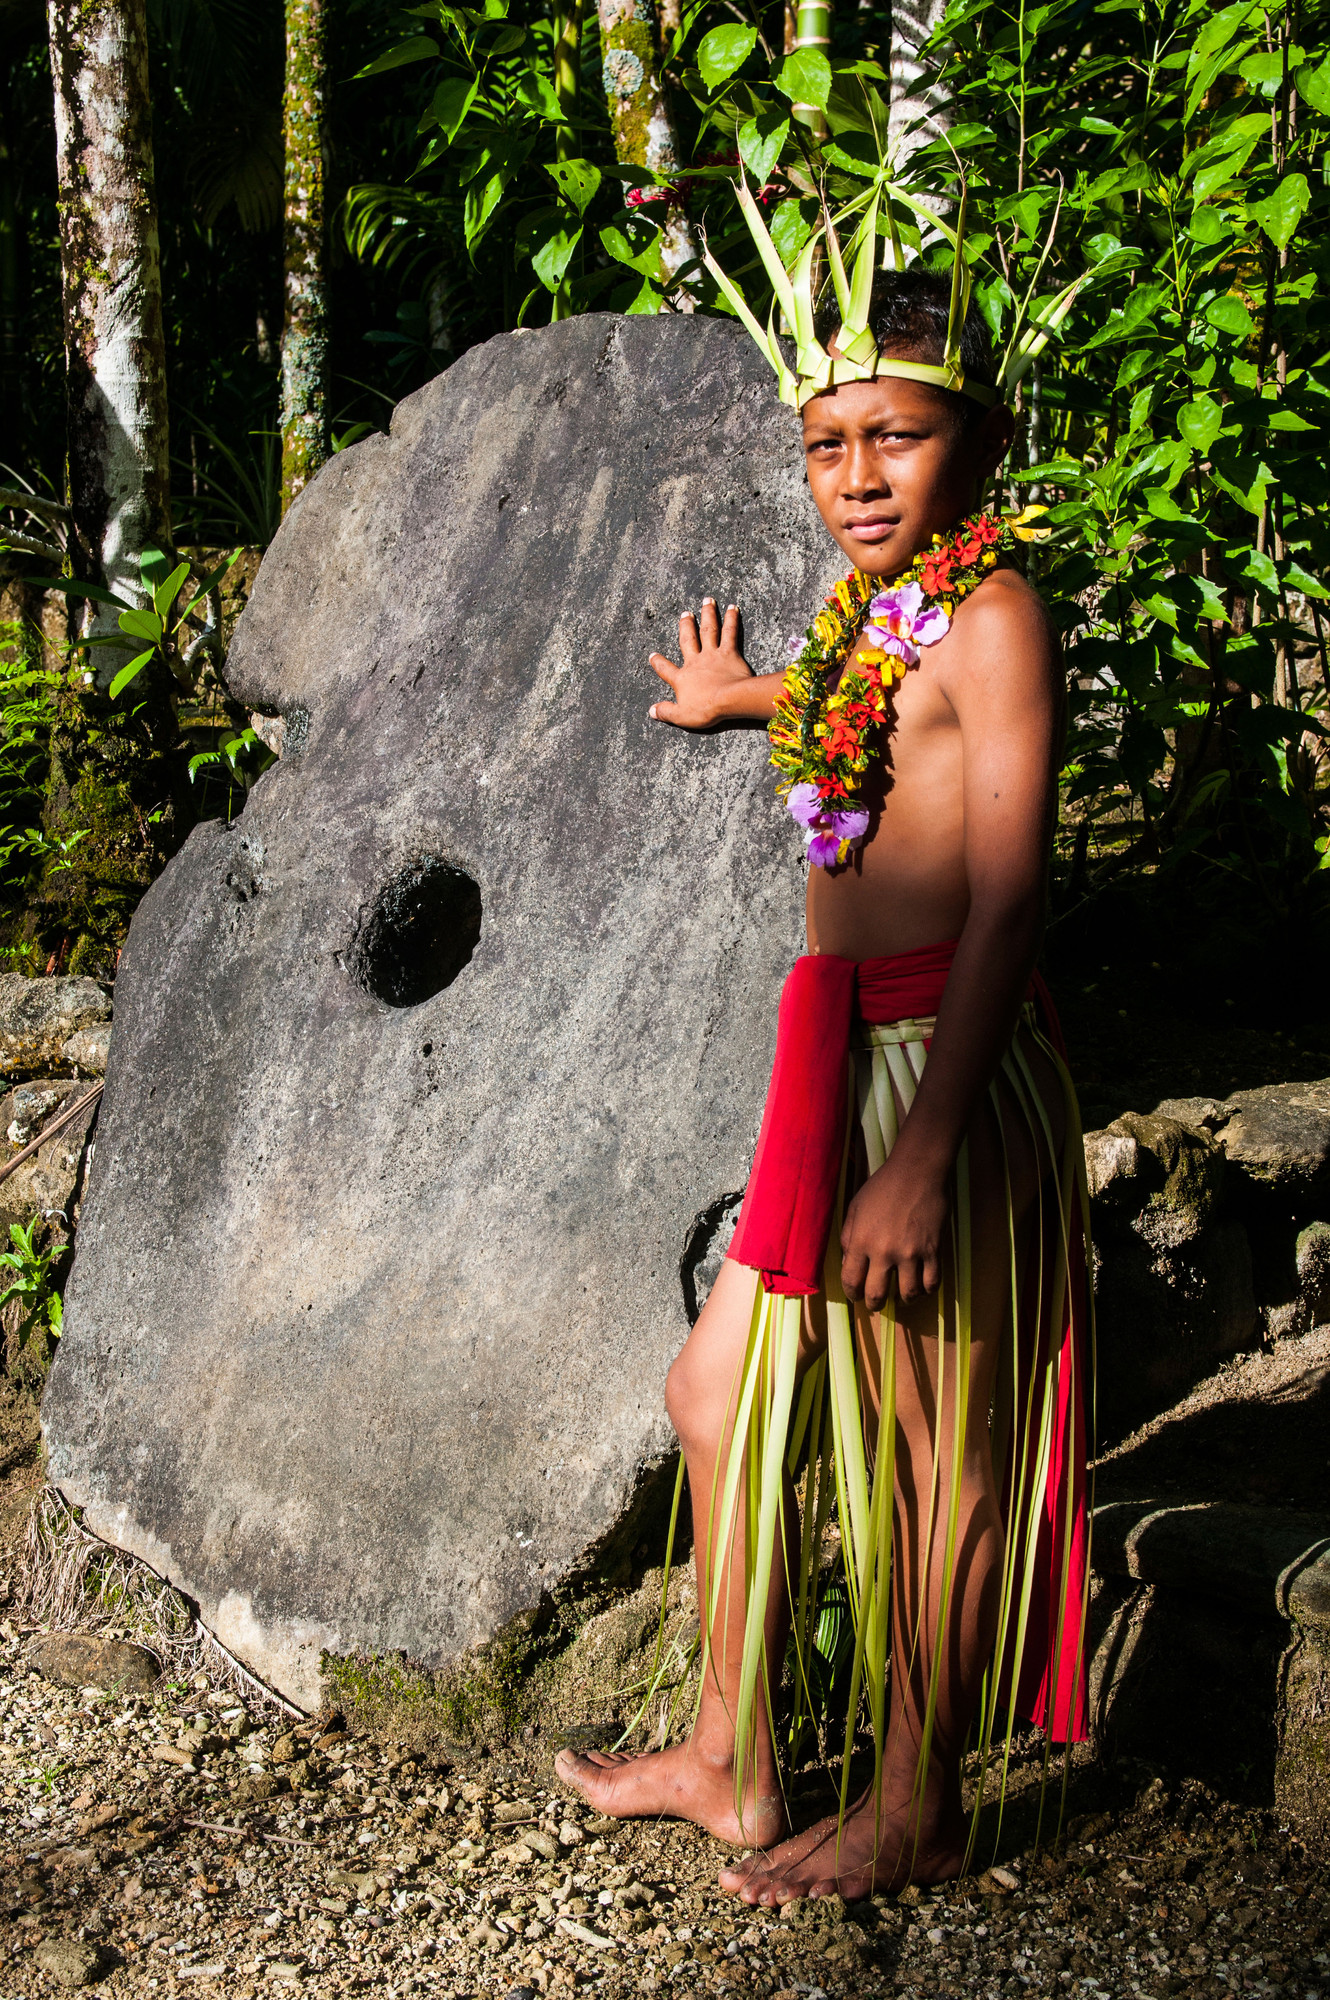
(851, 1048)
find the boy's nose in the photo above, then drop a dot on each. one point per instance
(863, 471)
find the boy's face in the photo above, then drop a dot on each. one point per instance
(889, 466)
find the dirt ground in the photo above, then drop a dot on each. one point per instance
(190, 1840)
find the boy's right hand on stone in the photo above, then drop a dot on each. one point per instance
(715, 682)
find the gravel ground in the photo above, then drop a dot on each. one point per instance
(198, 1842)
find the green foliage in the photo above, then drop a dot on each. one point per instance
(238, 761)
(34, 1271)
(1179, 431)
(162, 623)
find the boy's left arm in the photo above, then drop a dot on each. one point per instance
(1006, 688)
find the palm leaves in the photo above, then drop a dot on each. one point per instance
(818, 1422)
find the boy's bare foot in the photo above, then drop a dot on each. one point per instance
(812, 1864)
(678, 1783)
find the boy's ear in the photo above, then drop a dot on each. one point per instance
(994, 436)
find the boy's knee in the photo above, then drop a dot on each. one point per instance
(687, 1402)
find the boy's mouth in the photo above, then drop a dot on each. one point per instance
(873, 528)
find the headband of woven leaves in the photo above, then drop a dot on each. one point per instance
(856, 357)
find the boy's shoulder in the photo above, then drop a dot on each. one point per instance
(1003, 627)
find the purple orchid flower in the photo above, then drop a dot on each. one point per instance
(902, 622)
(826, 826)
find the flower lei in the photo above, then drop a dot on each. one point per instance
(819, 741)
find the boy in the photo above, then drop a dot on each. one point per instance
(927, 904)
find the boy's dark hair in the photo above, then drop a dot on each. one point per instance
(908, 314)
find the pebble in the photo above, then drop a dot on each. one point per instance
(386, 1873)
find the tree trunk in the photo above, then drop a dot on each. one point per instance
(119, 464)
(11, 376)
(305, 331)
(644, 131)
(115, 780)
(918, 115)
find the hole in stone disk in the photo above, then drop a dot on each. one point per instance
(418, 933)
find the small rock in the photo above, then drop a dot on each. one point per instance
(541, 1843)
(71, 1963)
(78, 1659)
(167, 1753)
(285, 1750)
(1005, 1879)
(511, 1813)
(570, 1835)
(89, 1049)
(38, 1016)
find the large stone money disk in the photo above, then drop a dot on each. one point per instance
(379, 1276)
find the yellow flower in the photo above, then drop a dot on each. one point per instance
(1022, 525)
(988, 559)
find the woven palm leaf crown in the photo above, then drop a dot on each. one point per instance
(856, 357)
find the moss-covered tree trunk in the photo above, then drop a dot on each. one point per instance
(305, 330)
(114, 779)
(644, 130)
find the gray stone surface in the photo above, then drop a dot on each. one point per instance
(373, 1304)
(38, 1016)
(1173, 1270)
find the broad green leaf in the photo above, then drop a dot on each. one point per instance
(1209, 225)
(141, 625)
(1297, 579)
(164, 595)
(1314, 86)
(648, 300)
(210, 582)
(1200, 422)
(507, 40)
(1288, 420)
(577, 181)
(722, 52)
(537, 93)
(1230, 315)
(789, 231)
(1219, 31)
(641, 254)
(127, 673)
(761, 140)
(420, 48)
(554, 255)
(482, 198)
(805, 78)
(1262, 66)
(153, 567)
(450, 104)
(1281, 212)
(67, 584)
(1253, 566)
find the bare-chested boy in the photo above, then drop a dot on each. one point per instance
(962, 797)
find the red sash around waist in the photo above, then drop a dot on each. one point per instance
(786, 1215)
